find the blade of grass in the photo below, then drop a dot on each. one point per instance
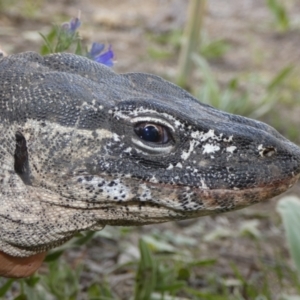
(289, 209)
(146, 274)
(191, 40)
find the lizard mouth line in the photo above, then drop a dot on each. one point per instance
(287, 182)
(194, 200)
(222, 199)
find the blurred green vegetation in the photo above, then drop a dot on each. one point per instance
(166, 269)
(60, 40)
(281, 18)
(232, 98)
(27, 8)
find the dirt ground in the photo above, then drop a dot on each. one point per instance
(247, 25)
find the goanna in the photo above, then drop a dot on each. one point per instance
(82, 147)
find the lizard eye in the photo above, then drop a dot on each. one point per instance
(154, 133)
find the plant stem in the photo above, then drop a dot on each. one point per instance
(191, 40)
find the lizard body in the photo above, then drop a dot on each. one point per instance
(83, 147)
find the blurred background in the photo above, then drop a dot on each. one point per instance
(241, 56)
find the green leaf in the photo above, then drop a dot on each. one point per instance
(289, 209)
(79, 50)
(46, 48)
(53, 255)
(203, 262)
(32, 280)
(158, 245)
(280, 13)
(84, 239)
(250, 228)
(146, 274)
(172, 287)
(279, 78)
(100, 291)
(214, 49)
(5, 287)
(184, 274)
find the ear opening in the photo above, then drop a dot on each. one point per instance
(21, 164)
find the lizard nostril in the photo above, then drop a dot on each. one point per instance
(268, 151)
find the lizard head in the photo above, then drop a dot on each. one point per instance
(94, 148)
(144, 149)
(191, 158)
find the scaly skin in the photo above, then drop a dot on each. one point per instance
(75, 153)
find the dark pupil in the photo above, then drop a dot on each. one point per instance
(149, 133)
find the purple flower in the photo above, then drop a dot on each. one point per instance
(105, 58)
(96, 49)
(72, 26)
